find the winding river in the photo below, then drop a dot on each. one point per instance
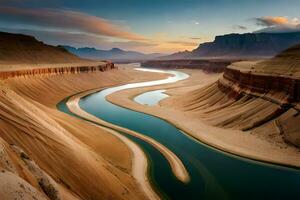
(213, 174)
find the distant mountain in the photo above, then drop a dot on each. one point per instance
(242, 45)
(25, 49)
(114, 54)
(178, 55)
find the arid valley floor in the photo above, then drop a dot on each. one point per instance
(171, 117)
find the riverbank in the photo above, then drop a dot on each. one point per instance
(83, 160)
(139, 160)
(140, 164)
(247, 144)
(177, 166)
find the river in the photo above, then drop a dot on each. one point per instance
(214, 174)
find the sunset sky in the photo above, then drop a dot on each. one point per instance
(145, 25)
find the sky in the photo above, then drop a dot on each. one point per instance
(149, 26)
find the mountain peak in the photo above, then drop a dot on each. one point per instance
(116, 50)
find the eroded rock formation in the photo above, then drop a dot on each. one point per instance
(260, 97)
(57, 70)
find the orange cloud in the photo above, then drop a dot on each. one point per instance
(278, 24)
(75, 28)
(183, 43)
(67, 20)
(277, 21)
(171, 47)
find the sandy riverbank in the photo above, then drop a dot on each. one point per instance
(177, 166)
(139, 160)
(82, 160)
(249, 144)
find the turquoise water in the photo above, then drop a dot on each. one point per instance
(214, 174)
(151, 98)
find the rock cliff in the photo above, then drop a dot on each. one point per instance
(246, 45)
(57, 70)
(22, 55)
(260, 97)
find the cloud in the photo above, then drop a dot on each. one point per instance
(195, 22)
(66, 27)
(277, 24)
(183, 43)
(67, 20)
(272, 21)
(80, 39)
(239, 27)
(195, 38)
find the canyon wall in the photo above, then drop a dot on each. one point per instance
(283, 91)
(263, 83)
(72, 158)
(57, 70)
(45, 153)
(262, 98)
(279, 75)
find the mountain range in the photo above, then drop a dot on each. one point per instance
(241, 46)
(114, 54)
(230, 46)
